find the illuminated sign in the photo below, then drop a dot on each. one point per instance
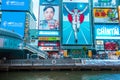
(11, 21)
(119, 13)
(104, 3)
(48, 43)
(49, 38)
(49, 48)
(49, 2)
(105, 15)
(76, 29)
(15, 4)
(48, 33)
(107, 31)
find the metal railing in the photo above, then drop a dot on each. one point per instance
(36, 50)
(61, 62)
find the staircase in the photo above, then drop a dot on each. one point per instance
(33, 49)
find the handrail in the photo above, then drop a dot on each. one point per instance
(39, 52)
(62, 62)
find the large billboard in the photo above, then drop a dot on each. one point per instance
(49, 18)
(104, 3)
(105, 15)
(107, 31)
(14, 21)
(15, 4)
(76, 28)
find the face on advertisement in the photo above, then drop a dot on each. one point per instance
(48, 22)
(49, 12)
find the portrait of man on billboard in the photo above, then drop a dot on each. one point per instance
(76, 23)
(49, 18)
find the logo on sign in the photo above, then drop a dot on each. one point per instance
(16, 3)
(13, 24)
(108, 31)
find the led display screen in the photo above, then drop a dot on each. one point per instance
(48, 33)
(105, 15)
(76, 29)
(109, 31)
(13, 21)
(15, 4)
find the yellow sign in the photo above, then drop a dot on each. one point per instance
(65, 53)
(119, 13)
(90, 53)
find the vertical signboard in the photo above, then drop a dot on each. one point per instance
(49, 18)
(14, 21)
(76, 26)
(119, 13)
(49, 25)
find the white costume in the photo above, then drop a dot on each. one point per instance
(76, 21)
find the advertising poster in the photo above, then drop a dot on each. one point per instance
(110, 31)
(49, 18)
(14, 21)
(15, 4)
(76, 29)
(104, 3)
(105, 15)
(49, 1)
